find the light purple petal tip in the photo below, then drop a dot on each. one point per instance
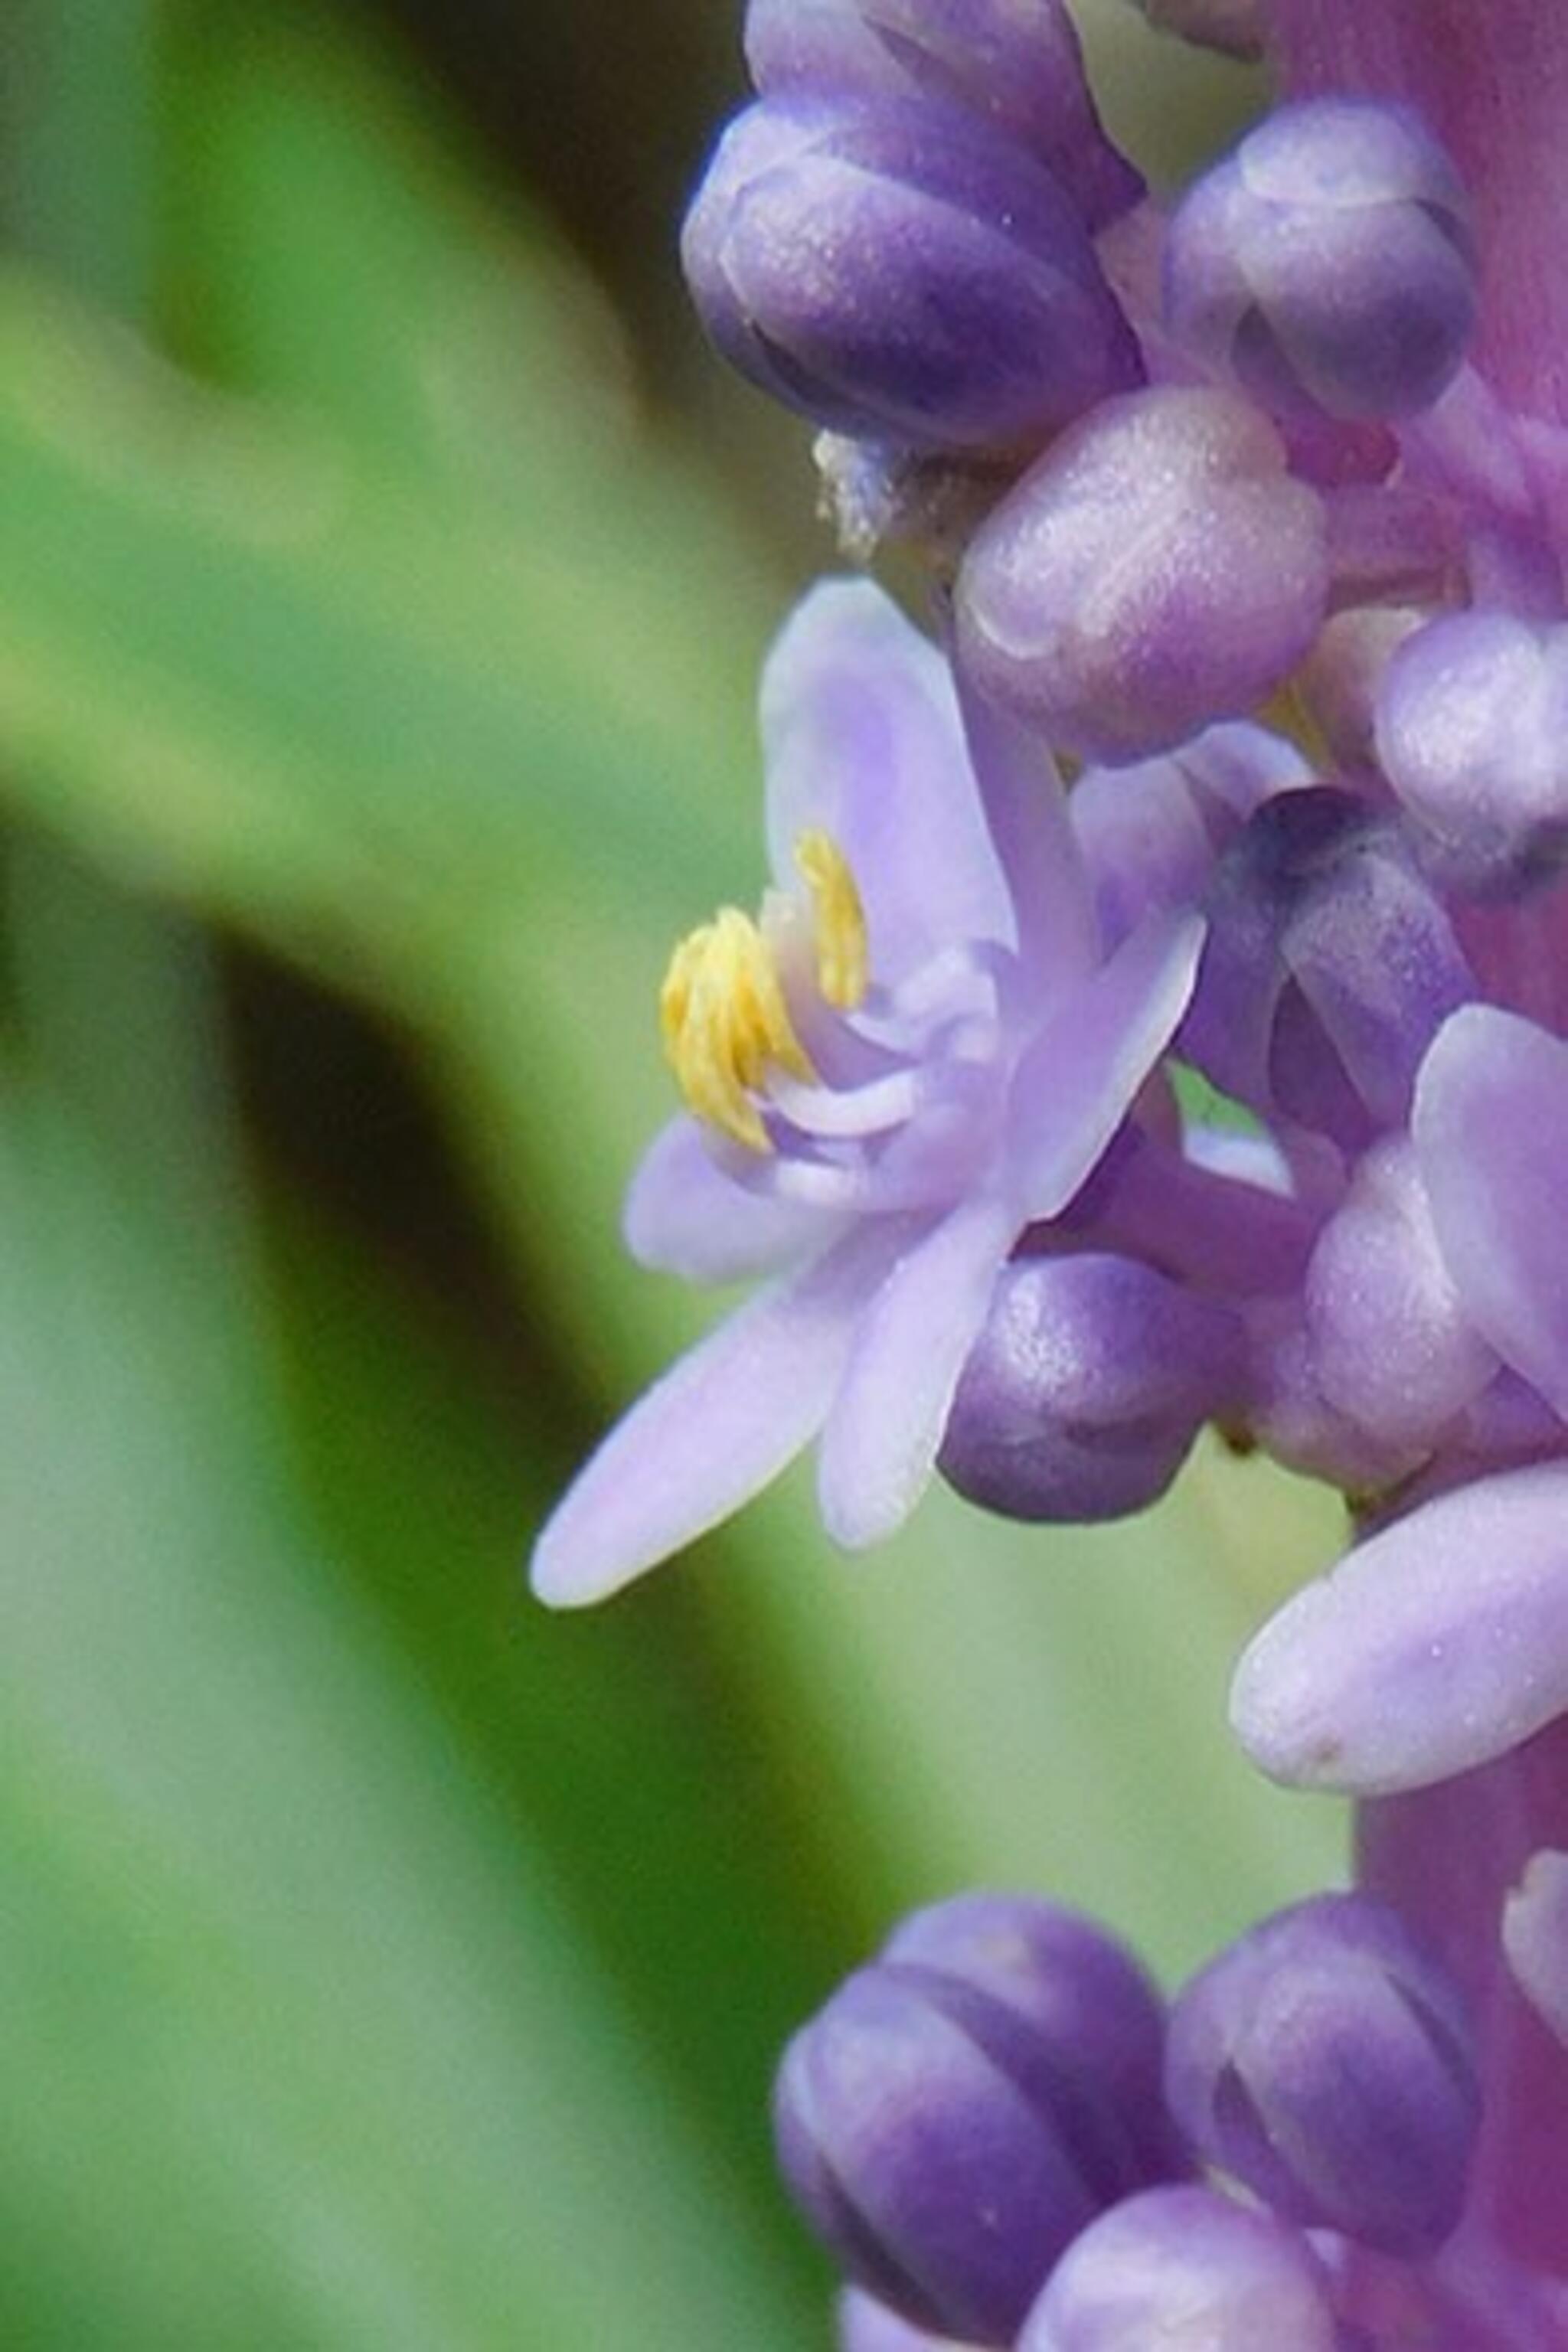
(1026, 815)
(711, 1432)
(1075, 1084)
(1490, 1124)
(881, 1438)
(1535, 1937)
(867, 2325)
(1391, 1342)
(1184, 2267)
(1433, 1646)
(684, 1215)
(862, 738)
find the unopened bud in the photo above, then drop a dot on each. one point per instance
(1472, 733)
(893, 268)
(1326, 265)
(1325, 2061)
(1157, 570)
(942, 2132)
(1330, 967)
(1085, 1390)
(1020, 70)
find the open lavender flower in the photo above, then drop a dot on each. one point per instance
(1301, 440)
(917, 1052)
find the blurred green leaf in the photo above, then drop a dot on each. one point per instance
(78, 166)
(684, 1858)
(301, 690)
(301, 2041)
(470, 734)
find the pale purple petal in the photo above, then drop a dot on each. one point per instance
(1075, 1084)
(1390, 1338)
(1150, 833)
(1535, 1937)
(1433, 1646)
(711, 1432)
(882, 1436)
(867, 2325)
(1057, 929)
(862, 738)
(1490, 1125)
(1184, 2268)
(684, 1215)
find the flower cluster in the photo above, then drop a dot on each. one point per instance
(999, 2131)
(1248, 515)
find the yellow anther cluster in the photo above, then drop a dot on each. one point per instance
(722, 1009)
(842, 957)
(724, 1019)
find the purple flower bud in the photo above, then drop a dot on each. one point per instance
(1020, 69)
(1340, 683)
(1325, 2061)
(1330, 968)
(1491, 1128)
(1184, 2265)
(938, 2136)
(1150, 833)
(891, 267)
(1084, 1992)
(1288, 1412)
(1157, 570)
(1085, 1390)
(1436, 1644)
(1326, 264)
(1392, 1344)
(1472, 733)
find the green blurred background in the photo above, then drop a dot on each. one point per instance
(384, 574)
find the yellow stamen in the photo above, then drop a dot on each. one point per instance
(842, 954)
(724, 1021)
(722, 1009)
